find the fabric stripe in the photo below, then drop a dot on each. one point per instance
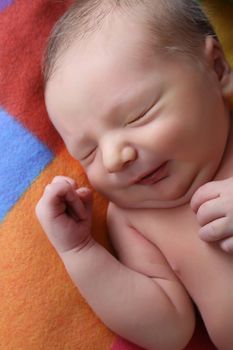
(5, 3)
(23, 157)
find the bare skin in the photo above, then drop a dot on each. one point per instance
(163, 116)
(204, 269)
(213, 206)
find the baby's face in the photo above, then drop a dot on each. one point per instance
(149, 130)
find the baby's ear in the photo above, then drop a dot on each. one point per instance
(218, 64)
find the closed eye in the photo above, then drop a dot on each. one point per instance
(136, 119)
(88, 155)
(143, 115)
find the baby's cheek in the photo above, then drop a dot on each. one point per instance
(96, 176)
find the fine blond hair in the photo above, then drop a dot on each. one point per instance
(178, 26)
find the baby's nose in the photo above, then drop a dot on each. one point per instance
(117, 157)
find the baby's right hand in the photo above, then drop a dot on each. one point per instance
(64, 213)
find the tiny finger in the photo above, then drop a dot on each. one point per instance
(204, 193)
(86, 196)
(210, 211)
(227, 245)
(75, 204)
(215, 230)
(55, 191)
(62, 179)
(52, 203)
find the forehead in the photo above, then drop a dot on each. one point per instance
(122, 34)
(111, 60)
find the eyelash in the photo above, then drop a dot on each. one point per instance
(136, 119)
(141, 116)
(144, 114)
(88, 155)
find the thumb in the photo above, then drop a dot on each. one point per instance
(86, 196)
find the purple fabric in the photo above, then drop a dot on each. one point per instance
(5, 3)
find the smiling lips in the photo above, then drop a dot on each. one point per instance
(154, 176)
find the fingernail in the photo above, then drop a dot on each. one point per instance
(84, 189)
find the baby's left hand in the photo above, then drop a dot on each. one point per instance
(213, 205)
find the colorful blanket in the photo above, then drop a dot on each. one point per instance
(40, 308)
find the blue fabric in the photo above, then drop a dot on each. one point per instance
(22, 158)
(5, 3)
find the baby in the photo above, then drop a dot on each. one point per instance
(139, 91)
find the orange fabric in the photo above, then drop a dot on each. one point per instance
(40, 307)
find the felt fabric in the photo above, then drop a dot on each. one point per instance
(40, 307)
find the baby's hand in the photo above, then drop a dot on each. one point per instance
(213, 205)
(65, 214)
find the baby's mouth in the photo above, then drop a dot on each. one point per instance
(150, 178)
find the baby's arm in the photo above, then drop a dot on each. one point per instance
(213, 205)
(152, 310)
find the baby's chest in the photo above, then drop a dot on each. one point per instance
(199, 265)
(203, 268)
(174, 232)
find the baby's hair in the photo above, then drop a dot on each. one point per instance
(177, 26)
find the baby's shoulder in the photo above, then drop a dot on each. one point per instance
(152, 224)
(133, 248)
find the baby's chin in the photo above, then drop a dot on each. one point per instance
(172, 193)
(153, 204)
(130, 201)
(140, 199)
(167, 201)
